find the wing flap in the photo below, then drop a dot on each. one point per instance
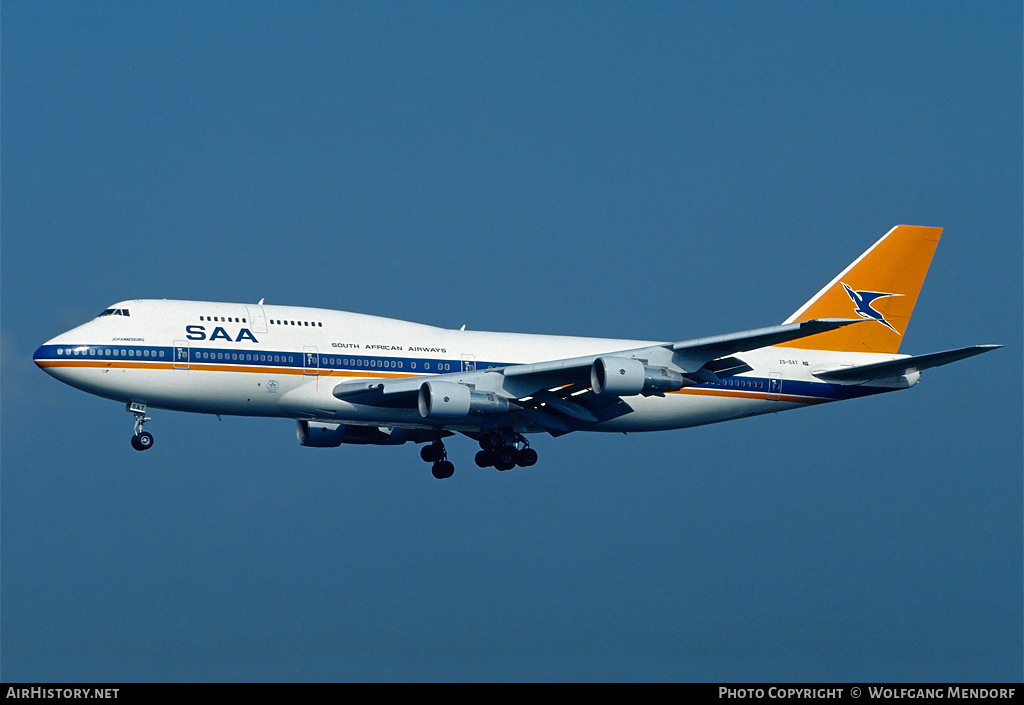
(560, 412)
(565, 406)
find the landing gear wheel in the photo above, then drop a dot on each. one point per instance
(142, 441)
(432, 453)
(526, 457)
(505, 458)
(484, 459)
(435, 453)
(442, 470)
(491, 441)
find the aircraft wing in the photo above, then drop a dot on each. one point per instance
(693, 354)
(902, 366)
(558, 395)
(702, 350)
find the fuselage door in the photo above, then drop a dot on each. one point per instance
(257, 319)
(310, 361)
(180, 354)
(774, 386)
(468, 363)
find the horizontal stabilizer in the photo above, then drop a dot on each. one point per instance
(902, 366)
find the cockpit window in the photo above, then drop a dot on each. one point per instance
(114, 312)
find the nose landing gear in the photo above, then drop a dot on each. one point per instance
(141, 440)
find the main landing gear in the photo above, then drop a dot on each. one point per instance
(505, 453)
(435, 453)
(501, 451)
(142, 440)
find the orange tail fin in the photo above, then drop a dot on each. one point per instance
(880, 286)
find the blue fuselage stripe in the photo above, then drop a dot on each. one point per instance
(312, 362)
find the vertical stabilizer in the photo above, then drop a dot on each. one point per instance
(881, 286)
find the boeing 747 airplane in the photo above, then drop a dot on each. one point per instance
(354, 378)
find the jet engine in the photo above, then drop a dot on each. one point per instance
(623, 376)
(314, 434)
(450, 400)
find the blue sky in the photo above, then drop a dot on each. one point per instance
(641, 170)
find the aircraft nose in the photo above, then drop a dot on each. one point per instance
(45, 356)
(42, 356)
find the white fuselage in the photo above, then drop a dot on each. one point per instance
(285, 361)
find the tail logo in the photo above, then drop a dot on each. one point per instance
(863, 301)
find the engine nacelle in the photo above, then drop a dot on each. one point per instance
(315, 434)
(450, 400)
(624, 377)
(658, 380)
